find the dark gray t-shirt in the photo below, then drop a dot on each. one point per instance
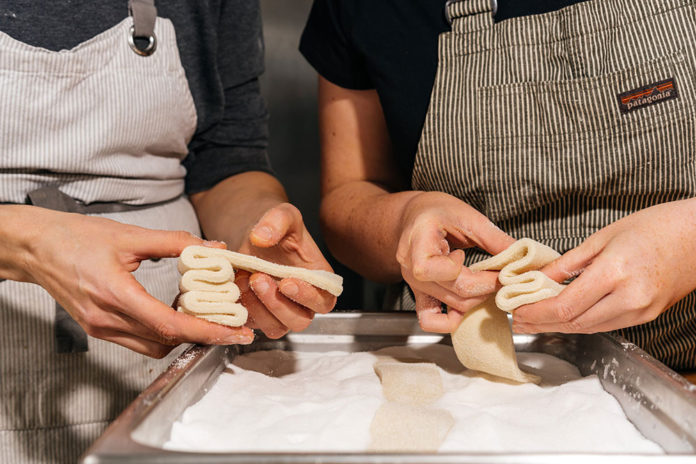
(221, 49)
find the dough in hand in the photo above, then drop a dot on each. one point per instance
(200, 257)
(404, 427)
(208, 290)
(522, 282)
(207, 283)
(416, 383)
(483, 340)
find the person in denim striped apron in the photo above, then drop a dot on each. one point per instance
(101, 130)
(576, 128)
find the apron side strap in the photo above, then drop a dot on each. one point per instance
(470, 15)
(51, 198)
(144, 15)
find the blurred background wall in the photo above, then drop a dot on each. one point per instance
(289, 86)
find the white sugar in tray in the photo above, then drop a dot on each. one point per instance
(279, 401)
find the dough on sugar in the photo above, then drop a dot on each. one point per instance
(416, 383)
(401, 427)
(192, 255)
(483, 340)
(215, 307)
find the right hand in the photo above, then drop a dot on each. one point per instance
(86, 264)
(433, 223)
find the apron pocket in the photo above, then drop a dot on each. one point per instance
(619, 142)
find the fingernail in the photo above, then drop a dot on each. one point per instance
(290, 289)
(239, 340)
(263, 233)
(259, 287)
(213, 243)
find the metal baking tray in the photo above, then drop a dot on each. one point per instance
(659, 402)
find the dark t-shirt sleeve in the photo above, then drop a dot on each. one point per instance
(326, 45)
(237, 142)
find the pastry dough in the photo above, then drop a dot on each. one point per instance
(407, 421)
(483, 340)
(416, 383)
(207, 283)
(403, 427)
(208, 258)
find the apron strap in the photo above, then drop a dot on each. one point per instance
(144, 14)
(470, 15)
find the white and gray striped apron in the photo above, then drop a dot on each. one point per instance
(98, 129)
(556, 125)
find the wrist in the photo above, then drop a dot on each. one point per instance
(22, 228)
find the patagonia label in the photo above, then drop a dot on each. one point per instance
(648, 95)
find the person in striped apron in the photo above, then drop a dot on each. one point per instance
(96, 203)
(449, 130)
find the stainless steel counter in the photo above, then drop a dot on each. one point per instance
(660, 403)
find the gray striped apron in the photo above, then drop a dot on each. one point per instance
(102, 130)
(551, 125)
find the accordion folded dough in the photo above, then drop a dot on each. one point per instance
(207, 283)
(199, 257)
(483, 340)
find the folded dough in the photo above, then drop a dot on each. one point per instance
(200, 257)
(207, 283)
(483, 340)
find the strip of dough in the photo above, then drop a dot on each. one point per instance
(198, 257)
(415, 383)
(232, 320)
(483, 340)
(403, 427)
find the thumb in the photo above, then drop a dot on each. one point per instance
(572, 263)
(277, 223)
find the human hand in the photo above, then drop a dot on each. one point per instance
(290, 304)
(628, 273)
(86, 262)
(432, 225)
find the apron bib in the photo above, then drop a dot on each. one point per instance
(105, 128)
(556, 125)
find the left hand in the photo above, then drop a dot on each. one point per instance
(290, 304)
(629, 273)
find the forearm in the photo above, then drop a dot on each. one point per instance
(229, 210)
(362, 225)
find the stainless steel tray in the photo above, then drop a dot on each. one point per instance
(659, 402)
